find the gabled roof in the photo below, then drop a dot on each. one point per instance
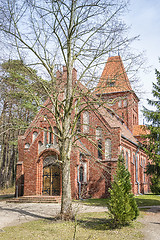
(113, 78)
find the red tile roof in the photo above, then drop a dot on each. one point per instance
(114, 77)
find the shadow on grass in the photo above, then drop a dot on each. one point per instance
(98, 224)
(147, 202)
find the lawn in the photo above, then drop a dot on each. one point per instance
(7, 193)
(142, 200)
(89, 226)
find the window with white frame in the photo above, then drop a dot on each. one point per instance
(108, 148)
(86, 122)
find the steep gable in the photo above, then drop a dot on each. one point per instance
(114, 77)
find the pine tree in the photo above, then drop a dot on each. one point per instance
(17, 110)
(152, 143)
(122, 205)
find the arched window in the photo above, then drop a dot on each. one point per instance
(55, 142)
(27, 145)
(40, 144)
(136, 158)
(34, 136)
(81, 174)
(99, 149)
(45, 136)
(127, 160)
(125, 103)
(50, 135)
(98, 133)
(108, 148)
(120, 103)
(86, 122)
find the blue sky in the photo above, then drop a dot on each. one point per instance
(144, 19)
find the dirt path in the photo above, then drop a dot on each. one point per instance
(12, 214)
(151, 221)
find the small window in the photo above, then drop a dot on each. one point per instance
(111, 84)
(45, 118)
(98, 133)
(35, 134)
(120, 103)
(27, 145)
(125, 103)
(99, 149)
(86, 122)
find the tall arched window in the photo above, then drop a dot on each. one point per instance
(55, 142)
(86, 122)
(108, 148)
(127, 160)
(81, 174)
(50, 135)
(99, 149)
(45, 136)
(98, 133)
(34, 135)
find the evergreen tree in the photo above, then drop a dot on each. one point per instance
(17, 110)
(152, 142)
(122, 205)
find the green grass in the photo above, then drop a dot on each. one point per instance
(89, 226)
(6, 193)
(142, 200)
(148, 200)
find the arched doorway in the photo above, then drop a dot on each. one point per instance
(51, 176)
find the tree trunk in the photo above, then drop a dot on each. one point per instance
(66, 202)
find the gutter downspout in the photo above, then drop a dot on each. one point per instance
(79, 184)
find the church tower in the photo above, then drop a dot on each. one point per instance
(115, 89)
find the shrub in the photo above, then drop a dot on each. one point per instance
(122, 205)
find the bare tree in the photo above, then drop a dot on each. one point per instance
(75, 33)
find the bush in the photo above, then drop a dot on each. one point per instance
(155, 186)
(122, 205)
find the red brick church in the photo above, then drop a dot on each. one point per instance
(115, 129)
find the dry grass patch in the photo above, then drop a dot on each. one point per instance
(89, 226)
